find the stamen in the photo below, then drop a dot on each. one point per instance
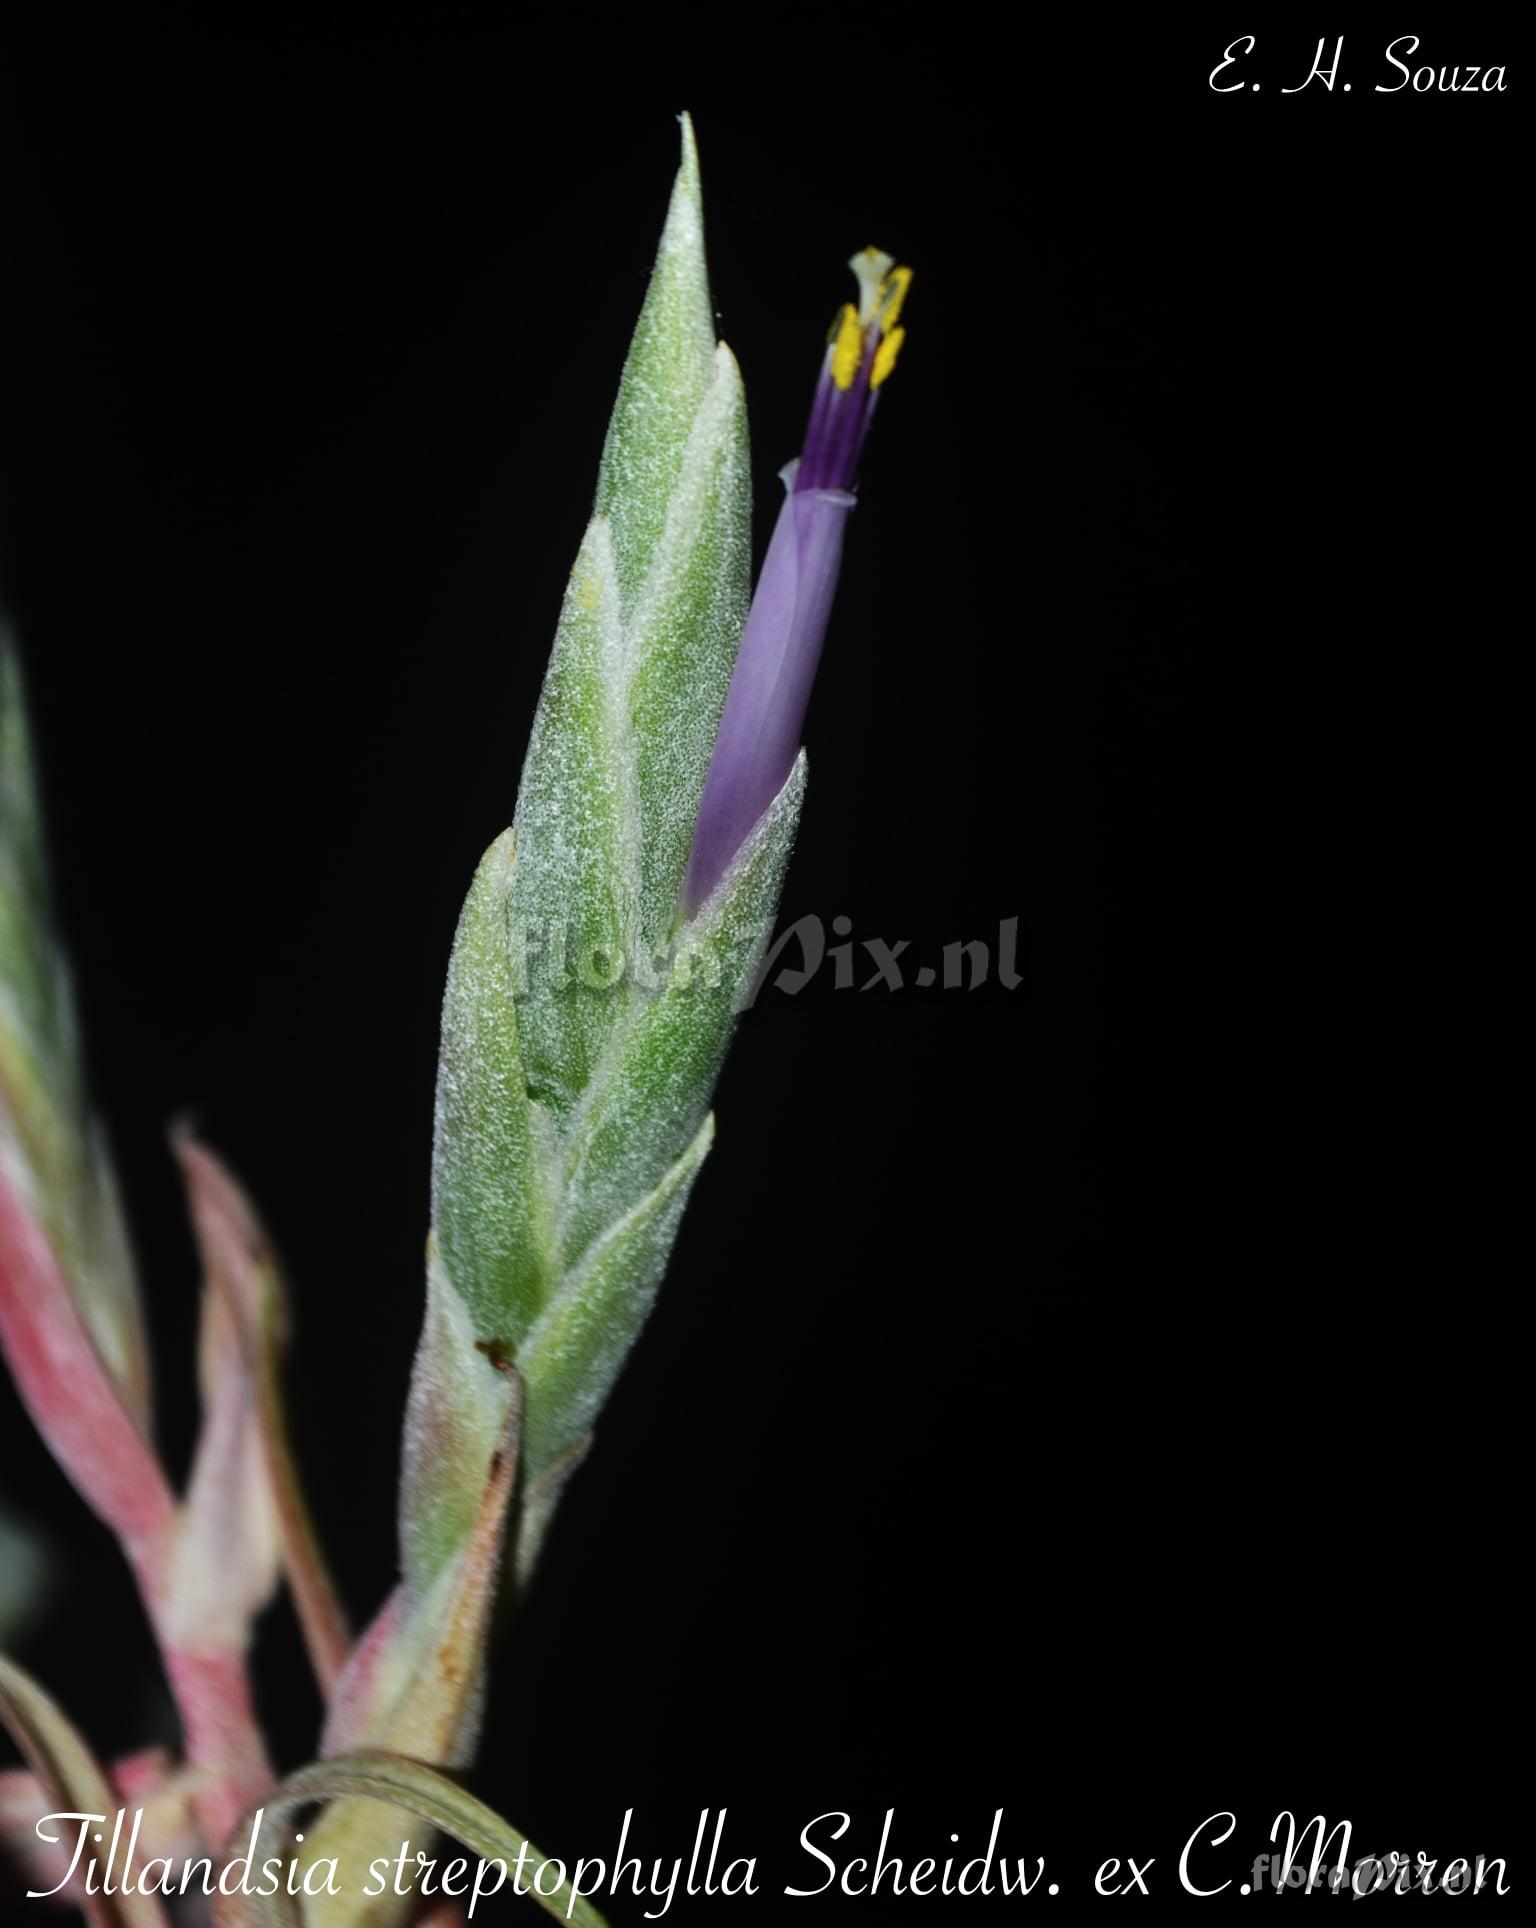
(847, 429)
(847, 348)
(893, 292)
(862, 346)
(885, 356)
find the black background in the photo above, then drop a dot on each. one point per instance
(1094, 1399)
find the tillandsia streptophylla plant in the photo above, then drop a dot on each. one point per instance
(605, 948)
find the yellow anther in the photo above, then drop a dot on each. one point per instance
(885, 356)
(848, 348)
(893, 292)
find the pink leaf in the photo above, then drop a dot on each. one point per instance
(72, 1398)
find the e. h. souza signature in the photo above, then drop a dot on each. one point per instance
(1399, 55)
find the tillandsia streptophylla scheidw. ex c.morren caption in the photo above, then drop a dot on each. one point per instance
(658, 803)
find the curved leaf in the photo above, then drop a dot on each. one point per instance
(69, 1774)
(413, 1789)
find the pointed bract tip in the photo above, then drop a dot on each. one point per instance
(688, 165)
(727, 368)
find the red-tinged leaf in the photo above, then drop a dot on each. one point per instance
(212, 1691)
(225, 1567)
(71, 1396)
(369, 1680)
(250, 1459)
(77, 1409)
(68, 1774)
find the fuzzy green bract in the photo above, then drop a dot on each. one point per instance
(586, 1021)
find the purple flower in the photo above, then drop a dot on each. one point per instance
(781, 643)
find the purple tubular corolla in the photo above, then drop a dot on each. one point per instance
(771, 685)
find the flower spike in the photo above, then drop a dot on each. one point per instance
(787, 623)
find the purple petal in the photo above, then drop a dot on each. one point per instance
(771, 685)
